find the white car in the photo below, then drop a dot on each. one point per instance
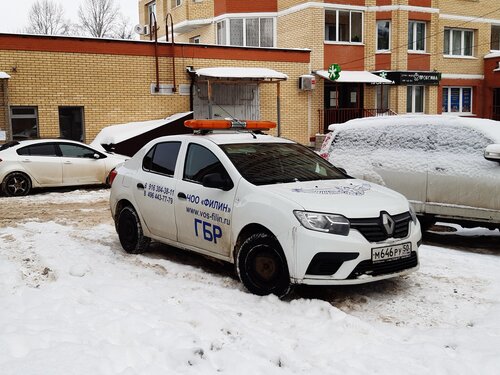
(52, 162)
(447, 166)
(274, 208)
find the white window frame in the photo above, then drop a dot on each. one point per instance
(150, 9)
(33, 116)
(413, 98)
(413, 24)
(175, 3)
(497, 47)
(462, 42)
(350, 26)
(460, 109)
(195, 39)
(227, 30)
(390, 36)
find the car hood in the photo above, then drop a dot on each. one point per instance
(352, 198)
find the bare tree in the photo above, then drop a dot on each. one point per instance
(47, 17)
(98, 17)
(123, 29)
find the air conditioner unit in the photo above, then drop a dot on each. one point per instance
(141, 29)
(307, 82)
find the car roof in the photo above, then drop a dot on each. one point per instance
(487, 127)
(228, 137)
(27, 142)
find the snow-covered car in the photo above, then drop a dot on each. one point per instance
(274, 208)
(447, 166)
(52, 162)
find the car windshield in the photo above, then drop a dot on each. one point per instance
(272, 163)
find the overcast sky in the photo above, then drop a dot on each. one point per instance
(14, 13)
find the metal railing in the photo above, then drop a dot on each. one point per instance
(496, 112)
(340, 115)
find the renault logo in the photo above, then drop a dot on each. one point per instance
(388, 223)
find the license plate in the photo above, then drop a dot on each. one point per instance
(387, 253)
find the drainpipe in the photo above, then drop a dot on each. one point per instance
(151, 16)
(278, 107)
(173, 46)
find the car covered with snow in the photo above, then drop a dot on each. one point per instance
(274, 208)
(447, 166)
(41, 163)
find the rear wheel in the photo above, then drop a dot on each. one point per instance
(262, 267)
(130, 231)
(16, 184)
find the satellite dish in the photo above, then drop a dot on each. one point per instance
(141, 29)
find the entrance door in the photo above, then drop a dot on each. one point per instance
(71, 123)
(343, 102)
(496, 104)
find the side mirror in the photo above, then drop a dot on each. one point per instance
(217, 181)
(492, 153)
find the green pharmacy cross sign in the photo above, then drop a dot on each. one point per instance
(334, 72)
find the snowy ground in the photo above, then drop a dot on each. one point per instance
(72, 302)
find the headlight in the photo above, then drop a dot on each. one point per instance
(327, 223)
(413, 214)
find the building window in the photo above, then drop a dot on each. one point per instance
(495, 37)
(343, 26)
(24, 122)
(151, 9)
(458, 42)
(221, 33)
(250, 32)
(416, 36)
(415, 99)
(382, 98)
(175, 3)
(383, 35)
(195, 39)
(457, 100)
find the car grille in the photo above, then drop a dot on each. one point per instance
(367, 267)
(373, 229)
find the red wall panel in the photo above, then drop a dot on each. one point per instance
(350, 57)
(244, 6)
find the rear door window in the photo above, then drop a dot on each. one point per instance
(43, 149)
(162, 158)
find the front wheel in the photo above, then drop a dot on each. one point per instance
(262, 267)
(130, 231)
(16, 184)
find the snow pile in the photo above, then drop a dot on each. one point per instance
(74, 303)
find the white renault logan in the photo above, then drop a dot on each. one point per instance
(278, 211)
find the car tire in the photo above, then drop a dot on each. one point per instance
(130, 231)
(426, 222)
(16, 184)
(262, 267)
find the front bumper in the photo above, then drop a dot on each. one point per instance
(328, 259)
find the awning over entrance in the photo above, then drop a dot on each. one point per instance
(4, 75)
(226, 73)
(362, 76)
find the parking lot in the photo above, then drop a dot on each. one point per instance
(66, 279)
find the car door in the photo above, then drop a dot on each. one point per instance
(401, 159)
(42, 162)
(155, 188)
(80, 166)
(203, 214)
(462, 182)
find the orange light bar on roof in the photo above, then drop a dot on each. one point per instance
(228, 124)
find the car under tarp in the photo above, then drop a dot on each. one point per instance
(128, 138)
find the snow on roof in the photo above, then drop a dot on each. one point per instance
(231, 72)
(4, 75)
(114, 134)
(361, 76)
(488, 127)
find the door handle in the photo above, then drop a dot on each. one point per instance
(181, 196)
(140, 186)
(26, 161)
(67, 162)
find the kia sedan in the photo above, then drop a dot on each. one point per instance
(52, 162)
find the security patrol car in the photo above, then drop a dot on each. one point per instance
(274, 208)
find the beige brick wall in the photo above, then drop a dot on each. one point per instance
(116, 89)
(206, 33)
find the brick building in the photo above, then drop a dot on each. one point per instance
(438, 53)
(73, 87)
